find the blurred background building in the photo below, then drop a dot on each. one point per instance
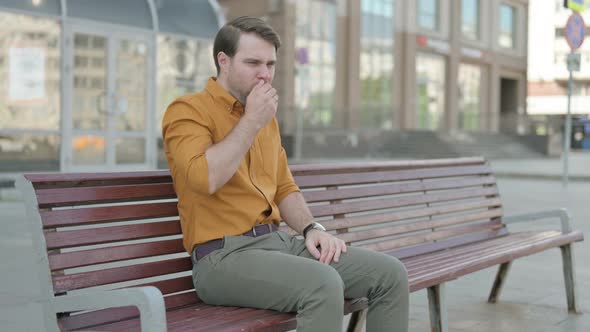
(85, 83)
(548, 74)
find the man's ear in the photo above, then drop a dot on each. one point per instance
(223, 60)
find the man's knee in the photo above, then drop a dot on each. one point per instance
(392, 272)
(325, 285)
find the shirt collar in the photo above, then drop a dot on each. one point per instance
(223, 97)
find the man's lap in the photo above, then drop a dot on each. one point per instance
(275, 271)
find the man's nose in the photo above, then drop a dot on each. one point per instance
(264, 74)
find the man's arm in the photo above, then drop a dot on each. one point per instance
(224, 157)
(296, 214)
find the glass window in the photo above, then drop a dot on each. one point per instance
(428, 12)
(376, 63)
(470, 19)
(469, 85)
(430, 90)
(30, 93)
(315, 77)
(184, 66)
(507, 26)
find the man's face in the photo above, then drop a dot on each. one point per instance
(254, 61)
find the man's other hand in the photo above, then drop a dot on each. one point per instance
(330, 246)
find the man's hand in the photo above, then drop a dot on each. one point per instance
(330, 246)
(261, 104)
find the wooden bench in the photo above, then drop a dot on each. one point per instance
(110, 254)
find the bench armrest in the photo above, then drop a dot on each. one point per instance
(562, 214)
(148, 300)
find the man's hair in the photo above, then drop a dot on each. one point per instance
(228, 37)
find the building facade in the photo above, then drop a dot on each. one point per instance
(386, 65)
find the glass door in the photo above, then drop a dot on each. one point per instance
(107, 113)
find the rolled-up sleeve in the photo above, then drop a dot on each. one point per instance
(285, 182)
(187, 133)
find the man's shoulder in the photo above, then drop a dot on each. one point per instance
(195, 98)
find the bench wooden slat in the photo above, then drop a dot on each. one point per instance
(283, 321)
(41, 181)
(278, 322)
(458, 252)
(194, 319)
(68, 239)
(418, 226)
(422, 249)
(112, 315)
(372, 166)
(463, 268)
(104, 214)
(104, 194)
(73, 259)
(310, 181)
(389, 245)
(173, 285)
(461, 254)
(215, 318)
(119, 274)
(387, 203)
(378, 218)
(220, 317)
(395, 188)
(536, 241)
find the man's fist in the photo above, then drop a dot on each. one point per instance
(261, 104)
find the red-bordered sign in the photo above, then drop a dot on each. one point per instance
(575, 31)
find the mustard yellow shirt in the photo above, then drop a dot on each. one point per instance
(191, 124)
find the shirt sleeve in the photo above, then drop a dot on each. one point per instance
(285, 182)
(187, 133)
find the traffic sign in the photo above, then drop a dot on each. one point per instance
(573, 61)
(575, 5)
(575, 31)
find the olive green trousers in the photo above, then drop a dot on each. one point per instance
(276, 271)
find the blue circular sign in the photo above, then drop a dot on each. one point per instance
(575, 31)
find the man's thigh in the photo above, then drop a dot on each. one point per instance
(260, 276)
(361, 270)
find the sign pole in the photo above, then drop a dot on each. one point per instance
(568, 128)
(575, 31)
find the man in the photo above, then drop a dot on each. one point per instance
(234, 187)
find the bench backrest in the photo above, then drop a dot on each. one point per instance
(115, 230)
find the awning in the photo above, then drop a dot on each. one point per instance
(192, 18)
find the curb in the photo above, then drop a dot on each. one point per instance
(529, 176)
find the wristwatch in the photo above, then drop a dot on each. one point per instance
(313, 225)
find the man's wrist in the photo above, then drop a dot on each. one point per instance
(312, 226)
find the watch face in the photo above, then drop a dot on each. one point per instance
(317, 225)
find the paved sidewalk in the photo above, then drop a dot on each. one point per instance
(545, 168)
(532, 300)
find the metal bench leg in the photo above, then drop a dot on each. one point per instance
(567, 254)
(438, 308)
(357, 321)
(499, 282)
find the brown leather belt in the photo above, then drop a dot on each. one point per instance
(206, 248)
